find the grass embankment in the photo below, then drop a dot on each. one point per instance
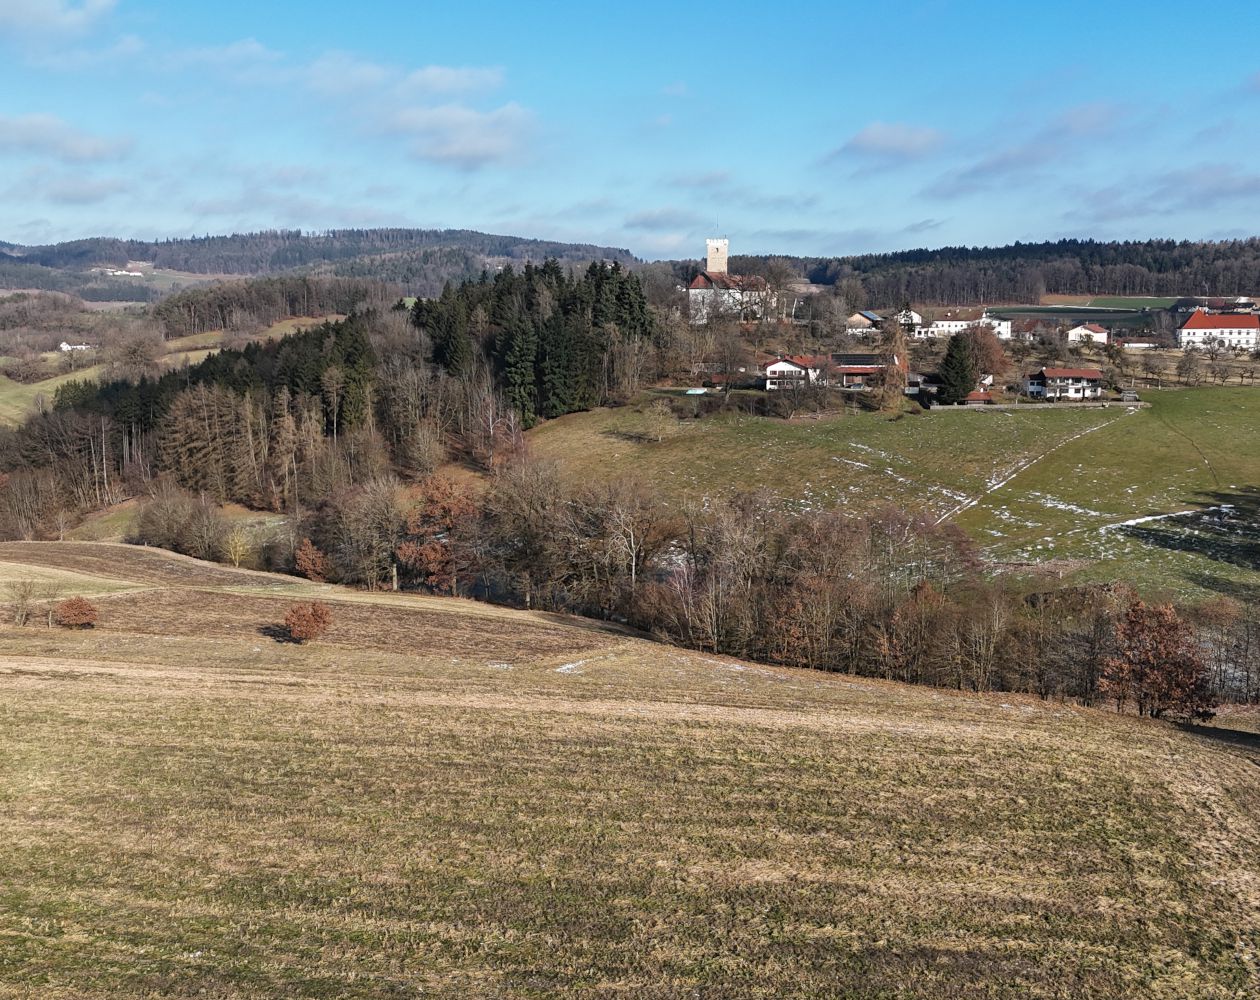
(1032, 484)
(450, 799)
(928, 462)
(1190, 451)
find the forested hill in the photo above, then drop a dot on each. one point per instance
(284, 250)
(1022, 272)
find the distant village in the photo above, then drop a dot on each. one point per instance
(714, 293)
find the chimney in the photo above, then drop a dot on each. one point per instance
(717, 251)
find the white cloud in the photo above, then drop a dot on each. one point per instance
(62, 59)
(55, 16)
(49, 136)
(336, 74)
(339, 74)
(462, 136)
(892, 140)
(453, 79)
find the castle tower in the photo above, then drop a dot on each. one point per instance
(716, 251)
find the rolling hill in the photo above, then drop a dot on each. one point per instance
(1092, 491)
(451, 799)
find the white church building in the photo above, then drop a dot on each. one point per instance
(715, 292)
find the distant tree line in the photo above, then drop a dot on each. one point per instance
(282, 250)
(1022, 272)
(231, 305)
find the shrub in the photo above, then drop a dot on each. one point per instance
(77, 612)
(305, 622)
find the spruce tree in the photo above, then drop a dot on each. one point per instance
(958, 371)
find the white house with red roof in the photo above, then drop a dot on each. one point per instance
(1205, 329)
(796, 371)
(1088, 333)
(1065, 383)
(715, 292)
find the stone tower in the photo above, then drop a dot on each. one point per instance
(717, 251)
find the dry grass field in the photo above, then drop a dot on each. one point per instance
(448, 799)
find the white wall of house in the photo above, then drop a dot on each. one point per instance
(1244, 337)
(1082, 333)
(788, 375)
(948, 327)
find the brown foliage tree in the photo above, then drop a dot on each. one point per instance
(1156, 664)
(428, 551)
(310, 562)
(77, 612)
(305, 622)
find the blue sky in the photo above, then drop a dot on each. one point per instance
(823, 128)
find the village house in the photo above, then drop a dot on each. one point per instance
(65, 347)
(797, 371)
(1065, 383)
(863, 322)
(859, 371)
(910, 320)
(1204, 329)
(948, 327)
(715, 292)
(1088, 333)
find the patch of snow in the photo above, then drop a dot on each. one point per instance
(571, 668)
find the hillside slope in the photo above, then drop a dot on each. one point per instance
(449, 799)
(1029, 485)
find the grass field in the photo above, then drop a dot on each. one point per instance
(450, 799)
(1029, 485)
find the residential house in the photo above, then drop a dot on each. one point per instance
(796, 371)
(948, 327)
(74, 347)
(1065, 383)
(1088, 333)
(859, 371)
(910, 320)
(716, 292)
(1204, 329)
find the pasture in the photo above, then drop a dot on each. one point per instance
(449, 799)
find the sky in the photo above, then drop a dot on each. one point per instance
(823, 128)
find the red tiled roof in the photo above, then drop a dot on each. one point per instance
(859, 369)
(1200, 320)
(1095, 328)
(977, 396)
(737, 282)
(805, 360)
(1072, 373)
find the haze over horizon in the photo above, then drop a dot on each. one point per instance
(835, 130)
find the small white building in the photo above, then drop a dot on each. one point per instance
(948, 327)
(796, 372)
(65, 347)
(910, 320)
(1204, 329)
(1088, 333)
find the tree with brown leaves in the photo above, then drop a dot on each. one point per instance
(1156, 665)
(311, 562)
